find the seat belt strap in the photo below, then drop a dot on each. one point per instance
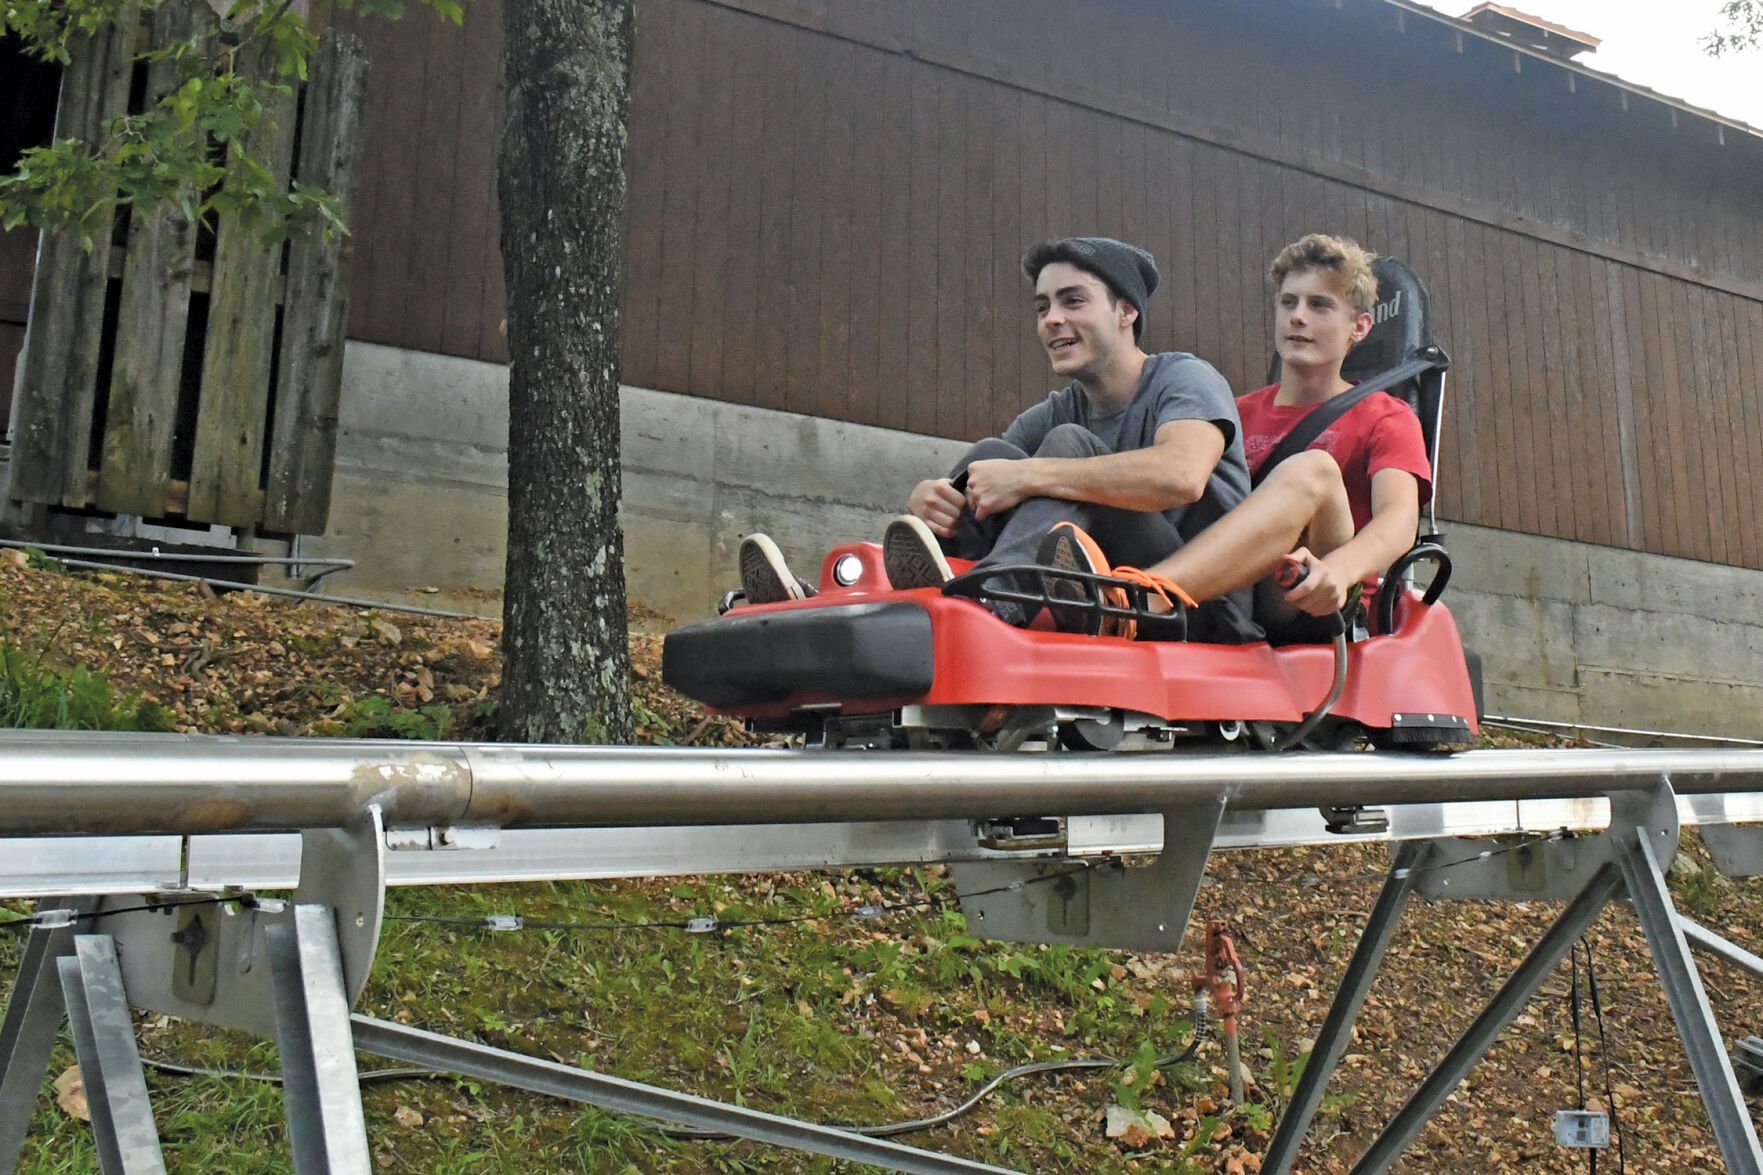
(1326, 413)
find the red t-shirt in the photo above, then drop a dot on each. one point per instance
(1380, 432)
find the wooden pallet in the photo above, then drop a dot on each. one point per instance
(156, 381)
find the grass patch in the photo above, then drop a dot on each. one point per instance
(38, 696)
(808, 1019)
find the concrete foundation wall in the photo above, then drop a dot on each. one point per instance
(1569, 632)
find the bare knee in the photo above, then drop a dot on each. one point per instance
(1314, 474)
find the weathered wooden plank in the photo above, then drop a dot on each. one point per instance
(868, 185)
(839, 228)
(226, 470)
(799, 300)
(947, 265)
(1746, 484)
(1650, 470)
(976, 375)
(147, 368)
(468, 320)
(176, 500)
(309, 371)
(387, 232)
(646, 180)
(893, 269)
(58, 394)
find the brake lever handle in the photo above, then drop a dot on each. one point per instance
(1291, 572)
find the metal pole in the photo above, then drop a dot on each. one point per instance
(68, 784)
(1337, 1028)
(1700, 938)
(1510, 1000)
(326, 1127)
(110, 1064)
(1689, 1006)
(450, 1055)
(33, 1018)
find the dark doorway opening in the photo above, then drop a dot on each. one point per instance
(28, 94)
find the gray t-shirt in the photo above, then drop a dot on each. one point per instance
(1173, 386)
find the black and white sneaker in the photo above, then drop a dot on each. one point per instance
(765, 577)
(912, 556)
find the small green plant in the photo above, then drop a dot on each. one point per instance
(1256, 1116)
(1130, 1086)
(375, 717)
(1205, 1130)
(1283, 1072)
(1697, 885)
(36, 696)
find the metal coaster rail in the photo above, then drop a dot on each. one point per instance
(93, 954)
(58, 784)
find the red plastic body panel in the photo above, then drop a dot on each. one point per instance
(979, 659)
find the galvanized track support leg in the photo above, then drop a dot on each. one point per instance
(33, 1018)
(1643, 830)
(451, 1055)
(326, 1126)
(1337, 1029)
(1500, 1012)
(110, 1064)
(1727, 1112)
(1700, 938)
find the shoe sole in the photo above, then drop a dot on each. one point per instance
(911, 557)
(765, 577)
(1075, 618)
(1095, 563)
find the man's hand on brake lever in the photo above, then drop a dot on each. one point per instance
(1321, 590)
(996, 486)
(938, 503)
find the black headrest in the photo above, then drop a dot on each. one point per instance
(1401, 328)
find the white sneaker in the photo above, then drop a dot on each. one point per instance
(912, 556)
(765, 577)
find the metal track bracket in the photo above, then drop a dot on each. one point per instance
(1097, 905)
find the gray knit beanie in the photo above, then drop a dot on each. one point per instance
(1127, 270)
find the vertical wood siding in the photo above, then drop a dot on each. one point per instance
(828, 200)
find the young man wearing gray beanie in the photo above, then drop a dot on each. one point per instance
(1141, 451)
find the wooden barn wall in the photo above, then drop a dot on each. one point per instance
(827, 201)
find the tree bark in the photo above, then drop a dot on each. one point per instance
(565, 76)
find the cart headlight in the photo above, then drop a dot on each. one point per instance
(847, 570)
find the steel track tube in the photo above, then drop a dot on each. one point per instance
(70, 784)
(1581, 912)
(1337, 1027)
(626, 787)
(451, 1055)
(182, 784)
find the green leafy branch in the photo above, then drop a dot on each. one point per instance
(192, 149)
(1742, 28)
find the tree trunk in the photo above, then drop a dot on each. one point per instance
(565, 74)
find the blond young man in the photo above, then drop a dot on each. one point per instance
(1343, 509)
